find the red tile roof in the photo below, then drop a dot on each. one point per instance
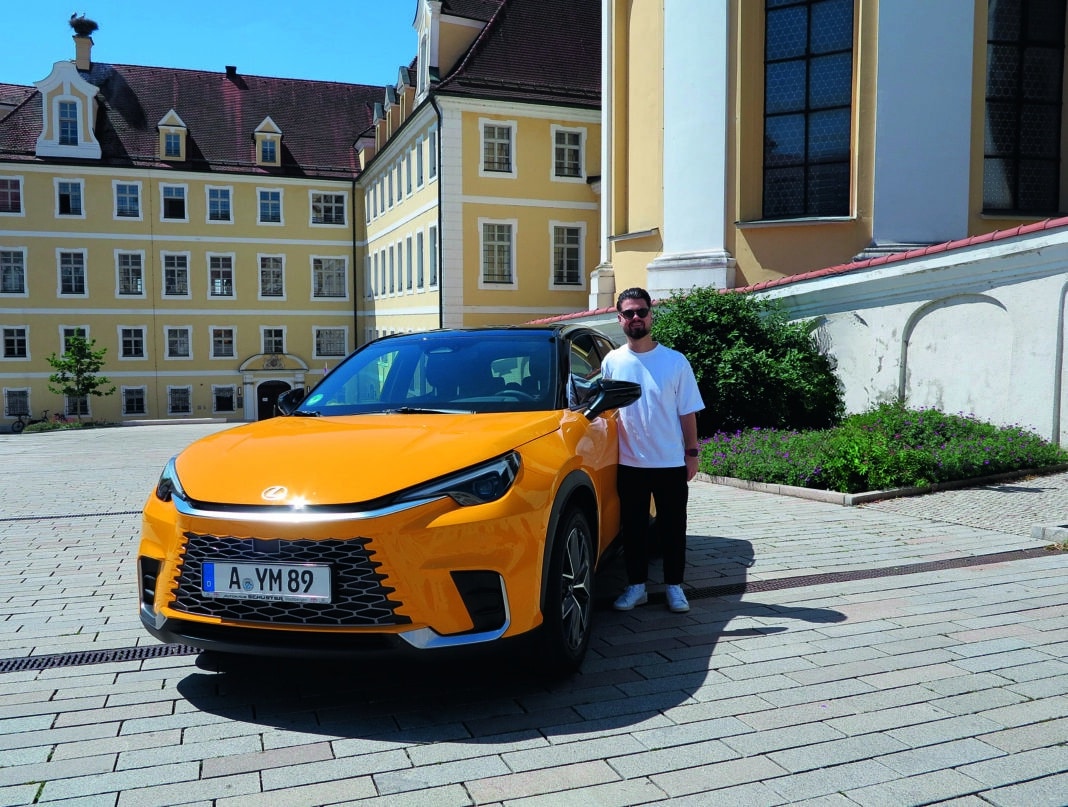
(320, 120)
(543, 51)
(480, 10)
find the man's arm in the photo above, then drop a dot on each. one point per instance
(689, 437)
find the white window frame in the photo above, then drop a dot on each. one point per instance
(433, 263)
(21, 182)
(3, 341)
(8, 411)
(60, 252)
(215, 390)
(312, 194)
(263, 339)
(571, 225)
(420, 261)
(163, 276)
(482, 282)
(344, 277)
(344, 343)
(281, 207)
(513, 128)
(212, 355)
(233, 275)
(163, 188)
(144, 342)
(581, 132)
(167, 329)
(140, 253)
(432, 154)
(25, 277)
(122, 399)
(56, 182)
(420, 170)
(67, 331)
(409, 269)
(175, 388)
(368, 285)
(229, 190)
(259, 276)
(115, 215)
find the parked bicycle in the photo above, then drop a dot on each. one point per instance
(24, 419)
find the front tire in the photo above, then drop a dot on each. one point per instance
(17, 427)
(569, 594)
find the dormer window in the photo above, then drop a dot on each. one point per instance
(268, 139)
(68, 123)
(68, 112)
(172, 137)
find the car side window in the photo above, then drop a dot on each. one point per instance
(585, 368)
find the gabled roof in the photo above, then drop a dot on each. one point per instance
(543, 51)
(11, 96)
(319, 120)
(480, 10)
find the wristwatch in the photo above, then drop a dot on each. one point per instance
(693, 452)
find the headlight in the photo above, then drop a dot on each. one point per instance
(168, 486)
(478, 485)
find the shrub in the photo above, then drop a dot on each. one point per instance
(753, 366)
(886, 447)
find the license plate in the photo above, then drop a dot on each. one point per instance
(302, 582)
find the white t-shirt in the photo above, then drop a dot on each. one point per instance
(650, 435)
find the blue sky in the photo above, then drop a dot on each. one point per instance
(357, 41)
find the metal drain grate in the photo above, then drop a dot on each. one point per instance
(165, 650)
(95, 657)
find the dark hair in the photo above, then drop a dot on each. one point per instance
(634, 293)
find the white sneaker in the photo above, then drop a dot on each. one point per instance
(676, 600)
(631, 596)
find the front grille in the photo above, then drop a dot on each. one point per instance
(359, 598)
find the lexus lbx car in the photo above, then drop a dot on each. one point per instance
(433, 490)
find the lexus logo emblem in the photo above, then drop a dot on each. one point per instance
(274, 493)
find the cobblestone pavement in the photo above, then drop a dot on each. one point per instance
(910, 651)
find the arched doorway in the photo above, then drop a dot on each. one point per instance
(267, 396)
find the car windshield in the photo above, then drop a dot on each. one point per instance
(470, 372)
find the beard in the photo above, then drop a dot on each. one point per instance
(635, 328)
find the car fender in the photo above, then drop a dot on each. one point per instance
(575, 487)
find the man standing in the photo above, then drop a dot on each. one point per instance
(658, 451)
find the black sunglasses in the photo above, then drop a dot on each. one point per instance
(631, 313)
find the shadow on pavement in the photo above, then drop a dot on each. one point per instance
(641, 664)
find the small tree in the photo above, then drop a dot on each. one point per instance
(76, 370)
(754, 367)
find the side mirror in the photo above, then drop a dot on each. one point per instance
(608, 393)
(289, 400)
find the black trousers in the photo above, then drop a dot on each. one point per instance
(670, 493)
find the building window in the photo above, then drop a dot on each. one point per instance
(392, 270)
(408, 262)
(1024, 98)
(567, 153)
(328, 208)
(179, 342)
(132, 343)
(497, 148)
(420, 263)
(328, 277)
(432, 160)
(272, 276)
(219, 204)
(173, 203)
(69, 197)
(12, 271)
(76, 406)
(16, 342)
(567, 256)
(134, 400)
(497, 253)
(176, 275)
(420, 177)
(179, 400)
(274, 340)
(224, 398)
(408, 173)
(68, 123)
(432, 253)
(10, 195)
(172, 145)
(270, 206)
(808, 92)
(329, 343)
(67, 333)
(222, 343)
(220, 276)
(127, 200)
(72, 273)
(269, 151)
(131, 274)
(16, 402)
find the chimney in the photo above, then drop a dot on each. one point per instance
(83, 49)
(231, 71)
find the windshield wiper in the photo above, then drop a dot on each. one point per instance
(303, 413)
(419, 410)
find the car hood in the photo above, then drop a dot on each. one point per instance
(340, 460)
